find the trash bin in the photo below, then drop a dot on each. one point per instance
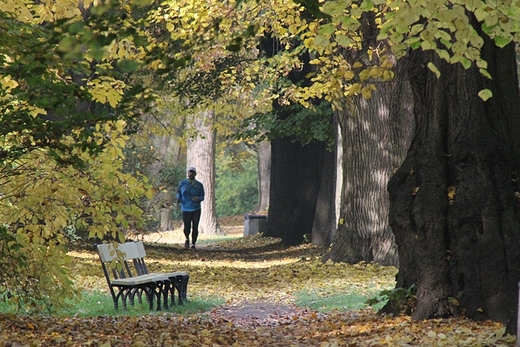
(254, 224)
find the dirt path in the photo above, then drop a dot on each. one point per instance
(245, 314)
(257, 313)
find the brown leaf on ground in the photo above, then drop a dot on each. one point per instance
(258, 278)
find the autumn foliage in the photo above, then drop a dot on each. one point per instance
(259, 280)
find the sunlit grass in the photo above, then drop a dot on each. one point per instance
(340, 302)
(94, 304)
(99, 304)
(244, 271)
(240, 269)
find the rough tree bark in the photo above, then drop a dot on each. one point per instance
(264, 175)
(376, 134)
(201, 155)
(325, 220)
(454, 202)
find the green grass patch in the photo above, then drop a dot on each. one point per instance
(101, 304)
(325, 302)
(95, 304)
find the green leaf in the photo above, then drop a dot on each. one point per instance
(485, 94)
(414, 42)
(427, 45)
(334, 7)
(321, 40)
(501, 41)
(76, 27)
(343, 40)
(67, 44)
(434, 69)
(485, 73)
(465, 62)
(481, 63)
(101, 9)
(491, 20)
(443, 54)
(327, 29)
(128, 65)
(367, 5)
(481, 14)
(142, 3)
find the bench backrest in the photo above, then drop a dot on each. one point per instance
(126, 252)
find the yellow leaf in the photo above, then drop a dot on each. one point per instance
(434, 69)
(451, 192)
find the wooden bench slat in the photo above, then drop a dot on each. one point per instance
(154, 285)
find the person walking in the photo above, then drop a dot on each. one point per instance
(190, 194)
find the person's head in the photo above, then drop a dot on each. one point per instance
(192, 172)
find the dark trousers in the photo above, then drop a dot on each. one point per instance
(191, 222)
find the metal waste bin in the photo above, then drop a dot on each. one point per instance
(254, 224)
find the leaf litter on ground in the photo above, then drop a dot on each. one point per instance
(258, 279)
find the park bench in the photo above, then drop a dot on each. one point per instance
(128, 277)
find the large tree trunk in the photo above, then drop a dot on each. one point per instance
(201, 155)
(325, 217)
(454, 205)
(295, 181)
(295, 171)
(376, 134)
(264, 175)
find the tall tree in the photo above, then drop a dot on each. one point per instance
(201, 154)
(263, 150)
(295, 181)
(325, 220)
(168, 152)
(62, 137)
(454, 201)
(297, 162)
(376, 134)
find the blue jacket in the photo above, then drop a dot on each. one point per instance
(189, 189)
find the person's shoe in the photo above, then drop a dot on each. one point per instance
(187, 244)
(193, 247)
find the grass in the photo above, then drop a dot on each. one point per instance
(244, 275)
(235, 269)
(334, 301)
(98, 304)
(95, 304)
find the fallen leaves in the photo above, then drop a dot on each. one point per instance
(258, 278)
(303, 328)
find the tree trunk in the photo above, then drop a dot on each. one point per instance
(295, 181)
(325, 220)
(168, 153)
(454, 205)
(295, 170)
(376, 133)
(201, 155)
(264, 175)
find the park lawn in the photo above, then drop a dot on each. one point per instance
(234, 271)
